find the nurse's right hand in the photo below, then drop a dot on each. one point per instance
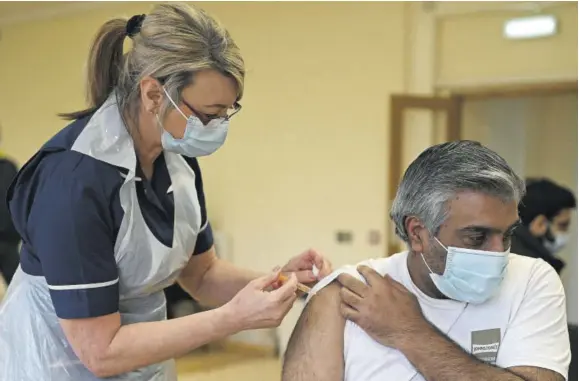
(255, 308)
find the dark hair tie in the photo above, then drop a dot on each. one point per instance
(134, 25)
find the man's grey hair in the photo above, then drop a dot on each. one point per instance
(444, 170)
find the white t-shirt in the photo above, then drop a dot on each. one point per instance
(524, 324)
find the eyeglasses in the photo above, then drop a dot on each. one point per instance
(205, 118)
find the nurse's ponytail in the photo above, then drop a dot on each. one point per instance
(171, 43)
(105, 63)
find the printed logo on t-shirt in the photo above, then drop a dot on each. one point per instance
(485, 344)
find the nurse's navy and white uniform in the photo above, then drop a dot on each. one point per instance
(97, 238)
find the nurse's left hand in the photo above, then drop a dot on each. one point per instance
(302, 265)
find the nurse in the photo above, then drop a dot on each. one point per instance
(111, 211)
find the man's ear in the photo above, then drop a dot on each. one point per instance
(151, 94)
(539, 226)
(417, 234)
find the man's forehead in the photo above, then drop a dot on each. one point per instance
(473, 209)
(563, 215)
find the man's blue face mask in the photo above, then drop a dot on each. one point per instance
(471, 276)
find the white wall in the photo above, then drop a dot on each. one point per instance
(499, 124)
(538, 137)
(472, 49)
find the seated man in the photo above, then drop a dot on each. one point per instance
(457, 306)
(545, 212)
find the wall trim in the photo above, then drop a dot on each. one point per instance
(488, 82)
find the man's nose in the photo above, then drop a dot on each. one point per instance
(497, 243)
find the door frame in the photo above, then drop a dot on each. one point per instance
(511, 90)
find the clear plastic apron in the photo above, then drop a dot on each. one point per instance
(32, 344)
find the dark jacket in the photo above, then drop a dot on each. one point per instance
(524, 243)
(8, 234)
(9, 237)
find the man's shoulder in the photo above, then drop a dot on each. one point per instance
(522, 268)
(531, 277)
(391, 265)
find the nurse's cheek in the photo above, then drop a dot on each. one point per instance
(174, 123)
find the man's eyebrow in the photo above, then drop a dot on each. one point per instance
(489, 229)
(477, 229)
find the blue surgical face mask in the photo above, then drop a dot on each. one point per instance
(198, 139)
(471, 276)
(559, 241)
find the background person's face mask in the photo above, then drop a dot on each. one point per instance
(558, 242)
(198, 139)
(470, 276)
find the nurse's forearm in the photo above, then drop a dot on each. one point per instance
(107, 350)
(142, 344)
(220, 283)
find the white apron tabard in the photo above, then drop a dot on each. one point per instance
(146, 267)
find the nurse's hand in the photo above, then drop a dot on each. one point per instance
(302, 265)
(254, 308)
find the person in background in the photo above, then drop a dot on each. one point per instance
(545, 213)
(9, 237)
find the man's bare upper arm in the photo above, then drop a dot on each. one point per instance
(531, 373)
(316, 348)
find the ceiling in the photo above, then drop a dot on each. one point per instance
(19, 11)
